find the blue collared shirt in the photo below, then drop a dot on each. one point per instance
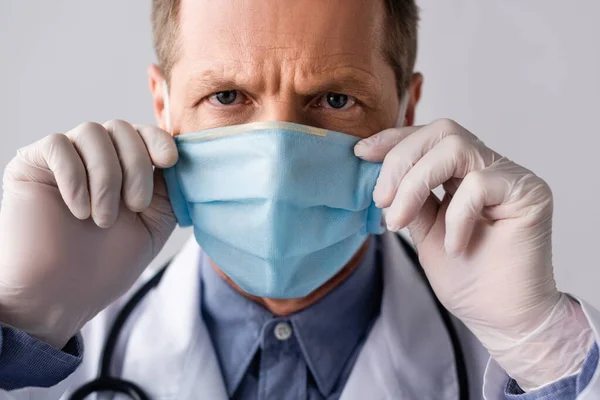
(307, 355)
(301, 366)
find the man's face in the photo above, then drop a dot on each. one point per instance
(311, 62)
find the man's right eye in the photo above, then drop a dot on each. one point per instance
(226, 98)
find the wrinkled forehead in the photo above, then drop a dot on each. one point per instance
(315, 35)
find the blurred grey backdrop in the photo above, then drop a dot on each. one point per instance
(522, 75)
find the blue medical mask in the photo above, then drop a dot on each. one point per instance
(279, 207)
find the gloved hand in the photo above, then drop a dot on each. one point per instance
(58, 267)
(486, 247)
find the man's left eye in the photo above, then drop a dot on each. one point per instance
(336, 101)
(226, 98)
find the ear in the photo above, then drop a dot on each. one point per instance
(155, 82)
(414, 95)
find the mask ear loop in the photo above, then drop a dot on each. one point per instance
(402, 110)
(399, 124)
(167, 106)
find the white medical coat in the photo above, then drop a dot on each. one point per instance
(408, 355)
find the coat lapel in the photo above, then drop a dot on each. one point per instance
(169, 352)
(408, 354)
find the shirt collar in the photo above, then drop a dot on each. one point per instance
(328, 332)
(234, 324)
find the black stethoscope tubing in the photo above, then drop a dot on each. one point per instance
(106, 383)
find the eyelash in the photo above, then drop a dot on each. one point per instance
(241, 98)
(322, 101)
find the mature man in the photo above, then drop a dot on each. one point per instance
(290, 296)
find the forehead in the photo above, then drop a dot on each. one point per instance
(315, 35)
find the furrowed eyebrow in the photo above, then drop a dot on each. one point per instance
(346, 80)
(351, 81)
(209, 81)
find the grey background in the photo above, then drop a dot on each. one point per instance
(522, 75)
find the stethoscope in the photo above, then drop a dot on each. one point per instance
(107, 383)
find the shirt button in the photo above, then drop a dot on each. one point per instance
(283, 331)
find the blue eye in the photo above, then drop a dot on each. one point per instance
(225, 98)
(336, 101)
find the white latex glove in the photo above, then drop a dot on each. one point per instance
(58, 267)
(486, 247)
